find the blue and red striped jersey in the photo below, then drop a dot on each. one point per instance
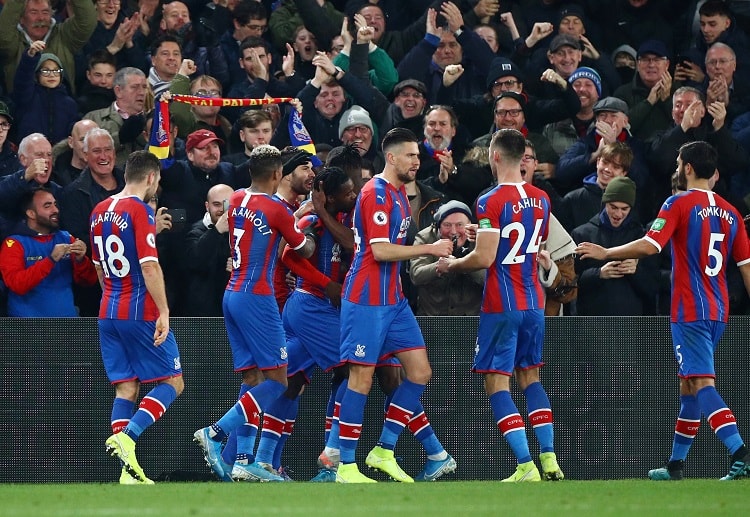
(381, 214)
(257, 222)
(123, 236)
(705, 230)
(519, 212)
(328, 257)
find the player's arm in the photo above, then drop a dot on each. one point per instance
(481, 257)
(389, 252)
(341, 233)
(154, 280)
(100, 275)
(745, 272)
(637, 249)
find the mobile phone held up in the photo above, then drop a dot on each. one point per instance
(178, 215)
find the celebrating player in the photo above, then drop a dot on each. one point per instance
(257, 222)
(513, 223)
(372, 293)
(136, 342)
(705, 230)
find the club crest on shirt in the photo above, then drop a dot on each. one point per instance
(380, 218)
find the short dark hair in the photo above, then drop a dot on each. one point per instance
(252, 118)
(99, 57)
(331, 179)
(139, 165)
(397, 136)
(509, 142)
(247, 10)
(253, 42)
(702, 156)
(347, 158)
(715, 8)
(27, 200)
(264, 161)
(161, 39)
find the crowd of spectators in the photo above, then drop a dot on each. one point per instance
(601, 90)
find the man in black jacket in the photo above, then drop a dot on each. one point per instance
(207, 251)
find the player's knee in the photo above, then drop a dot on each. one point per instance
(178, 383)
(420, 375)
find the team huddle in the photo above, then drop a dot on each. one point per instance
(346, 254)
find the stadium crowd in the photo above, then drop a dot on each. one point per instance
(604, 94)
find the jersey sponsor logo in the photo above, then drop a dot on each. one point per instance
(658, 224)
(151, 240)
(485, 223)
(380, 218)
(360, 351)
(480, 208)
(380, 199)
(404, 228)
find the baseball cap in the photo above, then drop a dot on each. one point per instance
(562, 40)
(653, 46)
(611, 104)
(200, 139)
(410, 83)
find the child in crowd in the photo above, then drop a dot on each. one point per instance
(43, 104)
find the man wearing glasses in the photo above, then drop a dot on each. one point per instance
(191, 118)
(23, 21)
(8, 158)
(649, 94)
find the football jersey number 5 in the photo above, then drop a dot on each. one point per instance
(112, 253)
(715, 254)
(513, 256)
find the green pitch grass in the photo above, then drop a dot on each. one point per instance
(628, 497)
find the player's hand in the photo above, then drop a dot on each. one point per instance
(305, 209)
(291, 280)
(229, 267)
(333, 292)
(471, 232)
(443, 265)
(441, 248)
(162, 329)
(318, 198)
(587, 250)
